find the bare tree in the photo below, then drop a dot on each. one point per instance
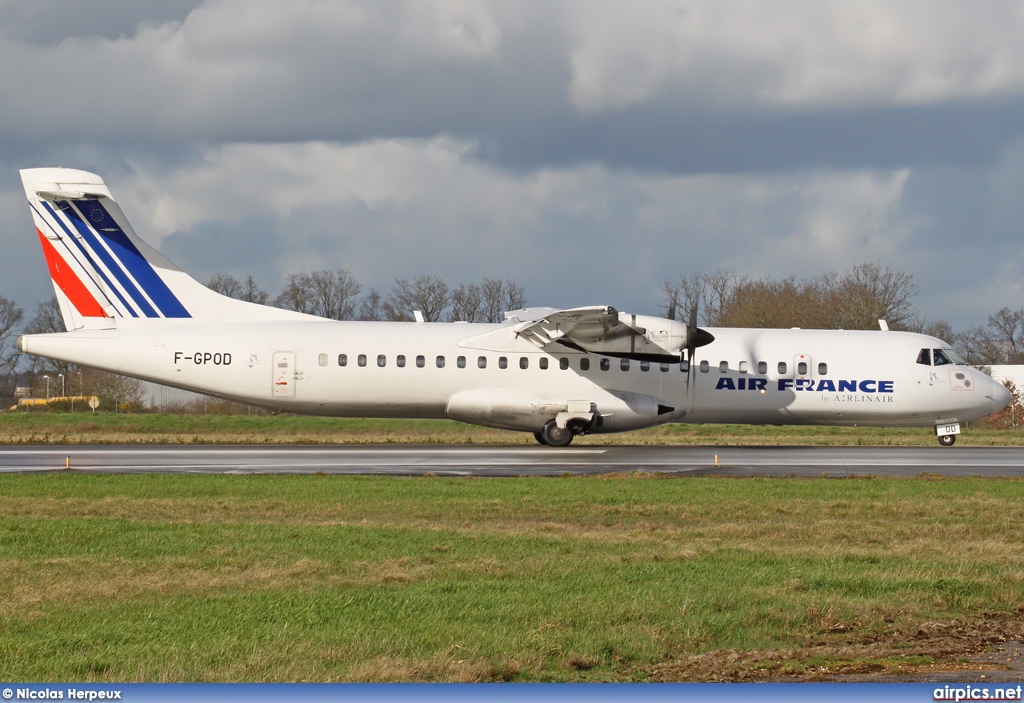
(296, 294)
(11, 316)
(856, 299)
(1007, 328)
(939, 329)
(428, 294)
(515, 298)
(225, 284)
(252, 293)
(498, 297)
(869, 292)
(328, 293)
(370, 308)
(335, 293)
(467, 303)
(247, 290)
(47, 319)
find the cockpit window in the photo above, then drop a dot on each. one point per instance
(954, 357)
(940, 357)
(925, 357)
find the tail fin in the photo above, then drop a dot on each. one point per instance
(102, 271)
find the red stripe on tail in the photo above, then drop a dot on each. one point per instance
(69, 283)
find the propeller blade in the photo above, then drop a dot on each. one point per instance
(695, 337)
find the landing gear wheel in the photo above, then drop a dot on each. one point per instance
(539, 436)
(555, 436)
(947, 440)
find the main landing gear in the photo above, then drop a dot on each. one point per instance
(947, 440)
(554, 436)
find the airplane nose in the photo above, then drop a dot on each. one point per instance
(1000, 396)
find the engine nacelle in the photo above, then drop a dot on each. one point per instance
(645, 335)
(530, 409)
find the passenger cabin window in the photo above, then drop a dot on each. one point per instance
(461, 362)
(524, 362)
(782, 368)
(744, 367)
(940, 357)
(584, 364)
(925, 357)
(723, 366)
(322, 360)
(705, 366)
(342, 359)
(382, 360)
(400, 361)
(563, 363)
(605, 364)
(502, 362)
(481, 362)
(362, 359)
(801, 368)
(624, 364)
(664, 368)
(543, 363)
(762, 367)
(645, 366)
(421, 361)
(822, 369)
(440, 362)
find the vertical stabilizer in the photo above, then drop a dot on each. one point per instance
(103, 272)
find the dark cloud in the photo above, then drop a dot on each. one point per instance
(595, 149)
(51, 21)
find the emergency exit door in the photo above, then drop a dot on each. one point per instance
(283, 376)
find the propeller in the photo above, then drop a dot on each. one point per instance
(695, 337)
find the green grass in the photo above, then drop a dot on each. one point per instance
(156, 428)
(286, 578)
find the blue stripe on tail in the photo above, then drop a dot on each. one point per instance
(131, 259)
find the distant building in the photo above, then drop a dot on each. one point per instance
(1007, 372)
(167, 399)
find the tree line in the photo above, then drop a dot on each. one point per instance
(853, 300)
(335, 294)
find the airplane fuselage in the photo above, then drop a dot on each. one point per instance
(483, 374)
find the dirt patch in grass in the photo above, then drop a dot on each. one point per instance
(922, 650)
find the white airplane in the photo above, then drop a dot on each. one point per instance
(556, 373)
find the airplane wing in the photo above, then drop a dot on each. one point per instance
(605, 330)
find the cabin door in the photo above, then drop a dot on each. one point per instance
(283, 375)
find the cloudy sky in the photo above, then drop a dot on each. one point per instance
(589, 150)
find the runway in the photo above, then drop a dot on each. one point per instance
(459, 460)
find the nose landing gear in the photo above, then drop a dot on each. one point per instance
(947, 432)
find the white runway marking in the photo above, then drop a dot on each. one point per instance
(517, 461)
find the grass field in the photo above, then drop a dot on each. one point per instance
(327, 578)
(87, 428)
